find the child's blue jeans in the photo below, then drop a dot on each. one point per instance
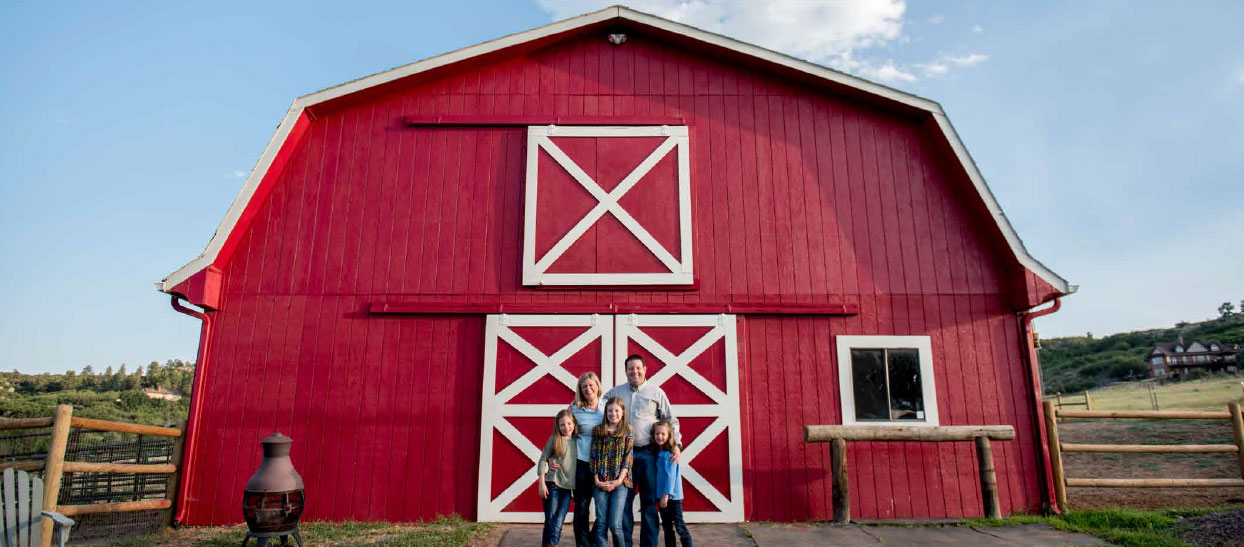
(610, 506)
(555, 507)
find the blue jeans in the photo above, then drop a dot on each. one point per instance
(644, 477)
(610, 506)
(671, 521)
(584, 491)
(555, 507)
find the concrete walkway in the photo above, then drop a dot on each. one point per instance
(801, 535)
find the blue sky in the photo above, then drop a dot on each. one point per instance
(1112, 134)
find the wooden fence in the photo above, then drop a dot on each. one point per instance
(1057, 448)
(55, 466)
(838, 435)
(1085, 401)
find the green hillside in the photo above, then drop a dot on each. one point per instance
(107, 395)
(1077, 363)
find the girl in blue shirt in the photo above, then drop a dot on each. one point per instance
(669, 486)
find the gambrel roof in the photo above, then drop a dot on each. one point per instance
(297, 119)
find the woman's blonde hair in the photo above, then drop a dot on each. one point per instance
(668, 445)
(623, 428)
(559, 443)
(578, 391)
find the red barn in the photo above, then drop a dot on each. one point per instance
(423, 260)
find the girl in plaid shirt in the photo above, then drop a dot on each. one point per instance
(612, 454)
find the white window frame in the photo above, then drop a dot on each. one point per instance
(535, 269)
(846, 387)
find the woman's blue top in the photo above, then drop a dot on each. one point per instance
(588, 419)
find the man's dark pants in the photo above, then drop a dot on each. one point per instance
(644, 468)
(584, 489)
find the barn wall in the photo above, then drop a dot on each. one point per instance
(798, 197)
(384, 411)
(788, 368)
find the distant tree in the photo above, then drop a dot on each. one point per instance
(88, 370)
(1088, 335)
(1181, 324)
(1227, 309)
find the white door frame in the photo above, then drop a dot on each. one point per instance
(725, 406)
(496, 406)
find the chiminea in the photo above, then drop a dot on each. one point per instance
(273, 500)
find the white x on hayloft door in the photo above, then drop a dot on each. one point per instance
(531, 363)
(578, 227)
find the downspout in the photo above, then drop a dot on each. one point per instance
(1034, 383)
(196, 406)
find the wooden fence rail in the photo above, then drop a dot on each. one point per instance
(55, 466)
(838, 435)
(1062, 481)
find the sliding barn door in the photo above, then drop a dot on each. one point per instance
(694, 358)
(531, 367)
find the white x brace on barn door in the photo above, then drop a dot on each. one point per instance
(531, 363)
(694, 358)
(577, 229)
(531, 368)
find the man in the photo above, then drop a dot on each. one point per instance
(646, 404)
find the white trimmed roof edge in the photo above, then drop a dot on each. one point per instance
(614, 12)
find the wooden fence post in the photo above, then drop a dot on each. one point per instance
(170, 488)
(1237, 429)
(1088, 401)
(838, 468)
(1056, 457)
(989, 479)
(55, 466)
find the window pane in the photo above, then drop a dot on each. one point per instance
(868, 375)
(906, 396)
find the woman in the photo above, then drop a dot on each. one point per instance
(589, 412)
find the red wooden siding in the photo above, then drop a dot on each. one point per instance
(799, 197)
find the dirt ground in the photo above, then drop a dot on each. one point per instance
(1099, 465)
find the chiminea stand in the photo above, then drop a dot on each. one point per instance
(262, 538)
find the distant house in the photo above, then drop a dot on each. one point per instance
(161, 392)
(1176, 359)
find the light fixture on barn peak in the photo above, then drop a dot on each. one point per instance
(617, 39)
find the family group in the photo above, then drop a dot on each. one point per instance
(607, 449)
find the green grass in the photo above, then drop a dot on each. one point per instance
(443, 532)
(1129, 527)
(1211, 393)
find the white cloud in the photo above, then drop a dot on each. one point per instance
(977, 29)
(61, 116)
(889, 73)
(836, 34)
(236, 174)
(941, 66)
(967, 60)
(937, 19)
(934, 68)
(1241, 77)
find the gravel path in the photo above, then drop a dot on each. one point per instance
(1225, 529)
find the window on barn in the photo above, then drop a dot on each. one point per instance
(886, 380)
